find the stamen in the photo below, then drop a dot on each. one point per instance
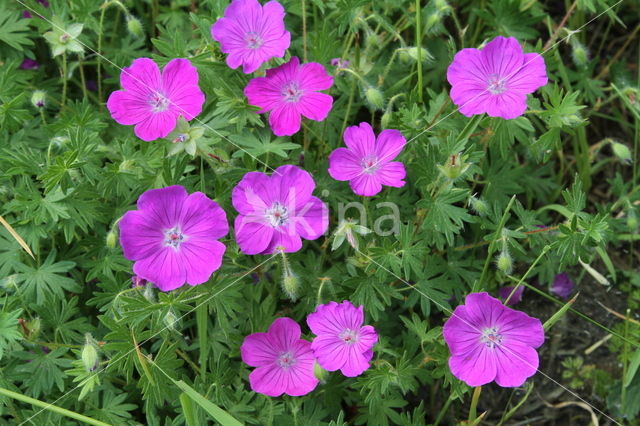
(496, 84)
(291, 92)
(490, 337)
(158, 102)
(174, 237)
(253, 40)
(370, 164)
(277, 215)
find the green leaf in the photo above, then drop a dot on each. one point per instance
(14, 30)
(46, 280)
(9, 332)
(217, 413)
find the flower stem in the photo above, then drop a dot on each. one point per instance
(82, 79)
(544, 251)
(304, 31)
(443, 411)
(51, 407)
(64, 79)
(474, 404)
(99, 65)
(419, 48)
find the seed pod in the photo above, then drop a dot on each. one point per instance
(384, 120)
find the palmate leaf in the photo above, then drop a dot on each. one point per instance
(42, 371)
(443, 219)
(9, 332)
(14, 31)
(46, 280)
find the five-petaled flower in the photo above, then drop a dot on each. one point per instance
(495, 79)
(284, 361)
(289, 92)
(342, 342)
(366, 161)
(251, 34)
(275, 211)
(173, 237)
(490, 341)
(153, 101)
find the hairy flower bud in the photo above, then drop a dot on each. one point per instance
(89, 354)
(290, 281)
(579, 53)
(134, 26)
(622, 152)
(385, 119)
(38, 98)
(374, 98)
(320, 373)
(504, 262)
(454, 167)
(478, 205)
(170, 320)
(632, 220)
(111, 239)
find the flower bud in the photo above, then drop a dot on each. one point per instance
(38, 98)
(442, 6)
(290, 284)
(385, 119)
(137, 281)
(111, 239)
(432, 20)
(478, 205)
(134, 26)
(579, 53)
(374, 98)
(413, 53)
(34, 327)
(89, 354)
(504, 262)
(320, 373)
(170, 320)
(623, 152)
(632, 220)
(148, 293)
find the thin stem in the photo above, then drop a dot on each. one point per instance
(545, 249)
(474, 404)
(419, 48)
(304, 31)
(64, 79)
(99, 64)
(51, 407)
(443, 411)
(82, 79)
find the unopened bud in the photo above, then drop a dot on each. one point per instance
(478, 205)
(432, 20)
(579, 53)
(442, 6)
(134, 26)
(504, 262)
(374, 98)
(290, 281)
(170, 320)
(148, 293)
(111, 239)
(385, 119)
(320, 373)
(413, 53)
(89, 354)
(622, 151)
(632, 220)
(38, 98)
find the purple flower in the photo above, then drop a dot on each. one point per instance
(343, 343)
(276, 211)
(251, 34)
(562, 286)
(289, 91)
(284, 361)
(136, 281)
(504, 293)
(29, 64)
(153, 101)
(490, 341)
(339, 63)
(172, 237)
(495, 79)
(366, 162)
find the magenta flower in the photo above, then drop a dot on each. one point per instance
(276, 211)
(153, 101)
(251, 34)
(284, 361)
(504, 293)
(343, 343)
(490, 341)
(495, 79)
(172, 237)
(29, 64)
(366, 161)
(289, 91)
(562, 286)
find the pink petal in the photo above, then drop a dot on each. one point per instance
(295, 186)
(284, 333)
(367, 338)
(323, 320)
(203, 217)
(128, 108)
(254, 194)
(467, 67)
(531, 75)
(285, 119)
(284, 238)
(164, 204)
(520, 327)
(302, 379)
(507, 105)
(263, 93)
(366, 185)
(257, 350)
(389, 144)
(331, 352)
(357, 363)
(315, 106)
(515, 363)
(164, 268)
(391, 174)
(313, 76)
(270, 380)
(502, 56)
(140, 235)
(360, 139)
(252, 236)
(476, 368)
(142, 77)
(312, 219)
(157, 125)
(344, 164)
(201, 257)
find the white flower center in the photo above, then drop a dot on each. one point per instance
(253, 40)
(349, 336)
(174, 237)
(291, 92)
(158, 102)
(491, 337)
(496, 84)
(277, 214)
(286, 360)
(370, 164)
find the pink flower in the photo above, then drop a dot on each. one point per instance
(172, 237)
(495, 79)
(276, 211)
(289, 91)
(505, 292)
(343, 343)
(153, 101)
(490, 341)
(562, 285)
(366, 162)
(284, 361)
(251, 34)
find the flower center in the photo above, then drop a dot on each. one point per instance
(496, 84)
(64, 38)
(253, 40)
(277, 215)
(349, 336)
(286, 360)
(180, 138)
(158, 102)
(174, 237)
(370, 164)
(291, 92)
(491, 337)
